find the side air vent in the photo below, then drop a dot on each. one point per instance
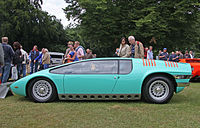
(78, 97)
(84, 97)
(114, 97)
(63, 96)
(129, 96)
(122, 97)
(99, 97)
(70, 96)
(106, 97)
(92, 97)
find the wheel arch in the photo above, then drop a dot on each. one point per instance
(169, 76)
(37, 77)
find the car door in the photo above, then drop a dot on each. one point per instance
(127, 80)
(91, 77)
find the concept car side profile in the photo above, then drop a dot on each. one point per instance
(154, 81)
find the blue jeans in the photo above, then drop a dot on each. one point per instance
(46, 66)
(23, 70)
(19, 69)
(5, 72)
(32, 65)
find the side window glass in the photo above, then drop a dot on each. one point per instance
(104, 67)
(89, 67)
(125, 66)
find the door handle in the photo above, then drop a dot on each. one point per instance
(116, 77)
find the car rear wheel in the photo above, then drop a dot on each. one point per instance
(42, 90)
(158, 90)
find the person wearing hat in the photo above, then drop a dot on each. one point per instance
(164, 55)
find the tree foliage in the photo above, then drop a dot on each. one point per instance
(161, 23)
(23, 21)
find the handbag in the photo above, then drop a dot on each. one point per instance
(14, 73)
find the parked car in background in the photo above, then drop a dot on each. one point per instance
(154, 81)
(195, 65)
(56, 58)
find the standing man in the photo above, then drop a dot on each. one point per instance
(131, 40)
(164, 55)
(177, 56)
(138, 50)
(34, 54)
(150, 53)
(79, 50)
(172, 57)
(46, 59)
(39, 59)
(88, 54)
(191, 55)
(1, 60)
(186, 55)
(8, 56)
(180, 55)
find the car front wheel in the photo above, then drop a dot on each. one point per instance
(158, 90)
(42, 90)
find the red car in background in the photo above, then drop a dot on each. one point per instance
(195, 65)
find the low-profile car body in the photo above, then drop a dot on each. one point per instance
(154, 81)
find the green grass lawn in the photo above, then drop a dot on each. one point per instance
(183, 111)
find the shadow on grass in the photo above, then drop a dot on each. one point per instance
(101, 101)
(26, 99)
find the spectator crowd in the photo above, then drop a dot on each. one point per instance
(137, 50)
(19, 59)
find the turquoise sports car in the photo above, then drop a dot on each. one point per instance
(154, 81)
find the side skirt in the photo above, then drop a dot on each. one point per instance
(99, 96)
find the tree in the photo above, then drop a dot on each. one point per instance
(21, 21)
(171, 24)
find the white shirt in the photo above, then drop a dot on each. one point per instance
(191, 56)
(25, 54)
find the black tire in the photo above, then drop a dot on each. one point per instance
(158, 89)
(42, 90)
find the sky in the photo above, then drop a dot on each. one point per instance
(54, 7)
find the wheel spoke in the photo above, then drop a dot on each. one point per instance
(42, 90)
(159, 90)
